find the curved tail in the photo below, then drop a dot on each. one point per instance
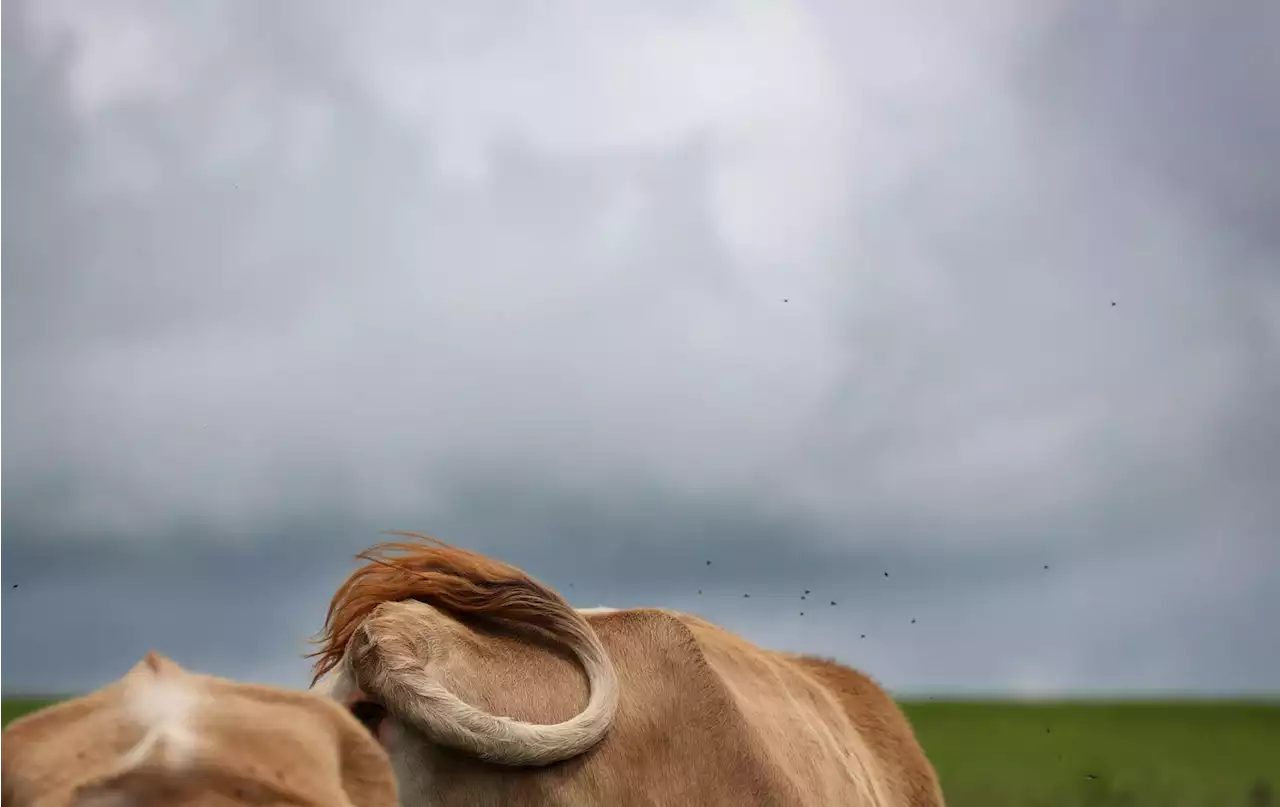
(465, 583)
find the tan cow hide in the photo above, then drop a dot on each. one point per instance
(487, 688)
(162, 736)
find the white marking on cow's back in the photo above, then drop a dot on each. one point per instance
(166, 708)
(599, 609)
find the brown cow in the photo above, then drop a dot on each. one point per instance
(163, 736)
(487, 688)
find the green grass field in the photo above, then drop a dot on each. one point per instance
(1135, 754)
(1162, 754)
(13, 708)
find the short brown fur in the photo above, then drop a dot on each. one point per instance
(870, 707)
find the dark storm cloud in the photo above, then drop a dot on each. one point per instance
(981, 623)
(281, 278)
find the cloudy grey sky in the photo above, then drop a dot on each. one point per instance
(815, 291)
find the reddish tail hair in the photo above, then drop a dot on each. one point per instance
(445, 576)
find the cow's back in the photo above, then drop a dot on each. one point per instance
(833, 731)
(705, 718)
(908, 774)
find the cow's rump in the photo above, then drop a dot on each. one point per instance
(473, 664)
